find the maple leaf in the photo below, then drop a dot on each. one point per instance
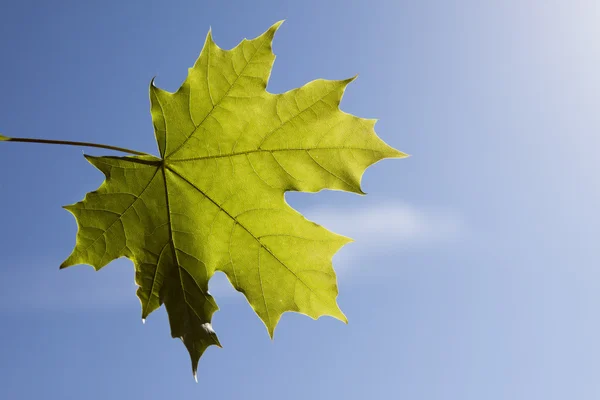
(214, 200)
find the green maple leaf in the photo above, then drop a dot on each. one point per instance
(214, 200)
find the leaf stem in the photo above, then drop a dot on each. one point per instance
(70, 143)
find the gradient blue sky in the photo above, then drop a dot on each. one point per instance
(475, 270)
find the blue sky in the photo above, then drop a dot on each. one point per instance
(474, 273)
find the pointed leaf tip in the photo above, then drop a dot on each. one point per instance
(277, 24)
(270, 33)
(209, 38)
(399, 154)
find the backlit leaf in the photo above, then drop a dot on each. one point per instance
(214, 199)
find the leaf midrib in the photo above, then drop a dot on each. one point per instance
(235, 220)
(174, 248)
(270, 151)
(214, 104)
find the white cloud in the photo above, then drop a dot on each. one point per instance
(390, 224)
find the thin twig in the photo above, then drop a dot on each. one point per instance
(70, 143)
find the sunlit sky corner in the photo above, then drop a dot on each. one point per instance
(474, 271)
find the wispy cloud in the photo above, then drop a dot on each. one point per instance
(390, 224)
